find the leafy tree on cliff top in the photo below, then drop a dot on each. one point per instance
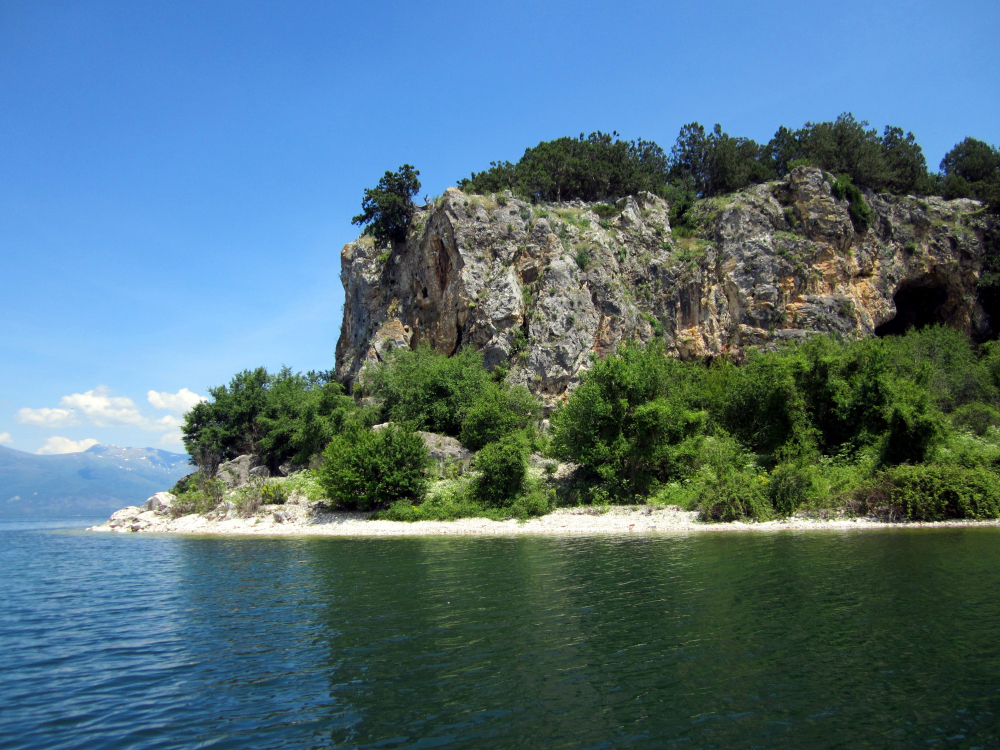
(386, 209)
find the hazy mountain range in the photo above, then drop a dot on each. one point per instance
(96, 482)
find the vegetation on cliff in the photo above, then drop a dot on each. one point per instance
(898, 427)
(712, 162)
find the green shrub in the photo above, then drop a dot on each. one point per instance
(273, 494)
(628, 424)
(431, 391)
(977, 418)
(605, 211)
(582, 258)
(502, 468)
(935, 492)
(499, 411)
(370, 469)
(736, 496)
(790, 486)
(861, 214)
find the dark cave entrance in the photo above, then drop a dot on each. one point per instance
(919, 303)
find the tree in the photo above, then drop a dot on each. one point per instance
(386, 209)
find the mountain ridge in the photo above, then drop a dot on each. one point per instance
(93, 482)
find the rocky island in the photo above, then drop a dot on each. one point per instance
(605, 338)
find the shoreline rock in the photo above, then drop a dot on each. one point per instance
(306, 520)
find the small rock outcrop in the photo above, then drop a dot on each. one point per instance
(544, 287)
(161, 502)
(237, 472)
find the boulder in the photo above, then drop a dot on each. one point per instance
(159, 503)
(237, 472)
(444, 450)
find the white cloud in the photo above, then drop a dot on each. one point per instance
(56, 444)
(179, 403)
(104, 410)
(46, 417)
(172, 438)
(5, 438)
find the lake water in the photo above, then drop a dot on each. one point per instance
(874, 639)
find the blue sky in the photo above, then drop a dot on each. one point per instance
(177, 179)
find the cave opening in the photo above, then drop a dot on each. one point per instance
(919, 303)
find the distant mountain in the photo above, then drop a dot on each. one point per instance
(96, 482)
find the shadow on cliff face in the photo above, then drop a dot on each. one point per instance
(921, 302)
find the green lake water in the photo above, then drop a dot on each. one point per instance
(779, 640)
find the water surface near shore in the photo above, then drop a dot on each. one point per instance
(865, 639)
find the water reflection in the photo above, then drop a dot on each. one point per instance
(781, 640)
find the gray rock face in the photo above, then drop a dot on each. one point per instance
(159, 503)
(237, 472)
(544, 288)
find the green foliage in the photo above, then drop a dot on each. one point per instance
(282, 416)
(658, 329)
(805, 426)
(503, 467)
(368, 469)
(861, 214)
(707, 163)
(387, 208)
(972, 170)
(935, 492)
(605, 211)
(596, 167)
(196, 493)
(627, 423)
(451, 500)
(499, 410)
(430, 391)
(977, 418)
(716, 163)
(893, 162)
(582, 258)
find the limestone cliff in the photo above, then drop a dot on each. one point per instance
(543, 287)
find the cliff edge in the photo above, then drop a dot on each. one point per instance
(543, 287)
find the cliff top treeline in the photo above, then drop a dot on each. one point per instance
(704, 163)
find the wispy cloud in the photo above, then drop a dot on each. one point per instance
(46, 417)
(172, 438)
(55, 445)
(5, 438)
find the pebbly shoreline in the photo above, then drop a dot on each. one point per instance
(303, 520)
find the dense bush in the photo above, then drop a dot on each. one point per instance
(369, 469)
(934, 492)
(280, 417)
(630, 421)
(807, 425)
(503, 467)
(498, 411)
(386, 209)
(428, 390)
(861, 214)
(597, 167)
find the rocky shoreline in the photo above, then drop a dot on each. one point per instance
(305, 519)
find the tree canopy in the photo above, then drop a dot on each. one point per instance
(704, 162)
